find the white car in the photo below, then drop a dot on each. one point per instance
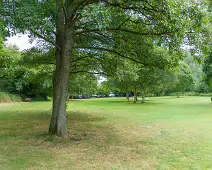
(111, 95)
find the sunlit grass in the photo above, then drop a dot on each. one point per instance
(165, 133)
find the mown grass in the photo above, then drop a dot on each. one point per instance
(165, 133)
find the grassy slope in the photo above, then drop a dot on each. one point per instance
(165, 133)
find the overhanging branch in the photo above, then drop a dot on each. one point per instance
(89, 72)
(114, 52)
(123, 30)
(42, 37)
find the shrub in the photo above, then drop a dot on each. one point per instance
(7, 97)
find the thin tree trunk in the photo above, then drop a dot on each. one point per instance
(178, 95)
(135, 95)
(64, 42)
(143, 96)
(127, 97)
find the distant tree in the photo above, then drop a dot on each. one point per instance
(184, 79)
(20, 74)
(9, 69)
(150, 77)
(197, 72)
(83, 84)
(207, 68)
(126, 78)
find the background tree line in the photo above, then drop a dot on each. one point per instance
(29, 74)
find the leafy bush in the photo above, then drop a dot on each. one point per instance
(6, 97)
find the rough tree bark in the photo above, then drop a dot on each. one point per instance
(64, 43)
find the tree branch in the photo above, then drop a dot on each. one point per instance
(135, 8)
(89, 72)
(64, 9)
(42, 37)
(123, 30)
(114, 52)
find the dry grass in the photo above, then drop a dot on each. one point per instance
(107, 134)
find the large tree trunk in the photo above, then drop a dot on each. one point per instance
(64, 43)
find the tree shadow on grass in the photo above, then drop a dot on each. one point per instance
(131, 102)
(82, 117)
(90, 128)
(118, 101)
(33, 126)
(91, 137)
(147, 103)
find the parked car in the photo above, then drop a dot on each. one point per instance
(100, 96)
(111, 95)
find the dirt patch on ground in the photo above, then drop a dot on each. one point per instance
(12, 103)
(4, 104)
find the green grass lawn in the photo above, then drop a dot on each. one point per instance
(165, 133)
